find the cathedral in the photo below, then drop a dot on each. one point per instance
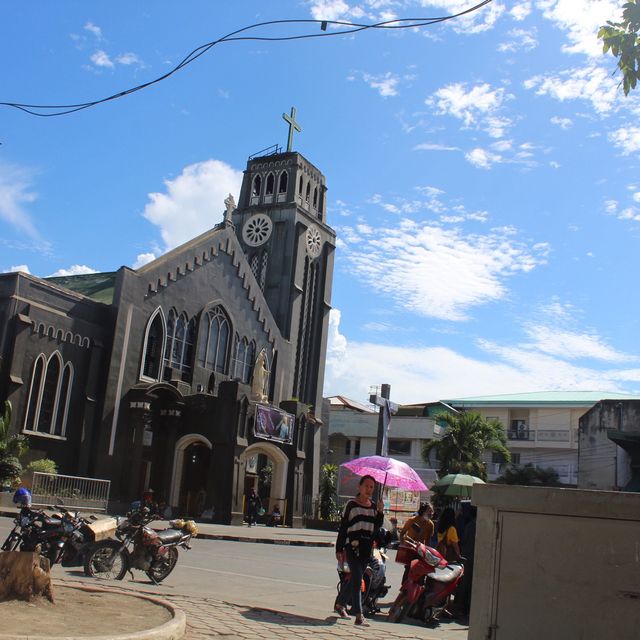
(198, 376)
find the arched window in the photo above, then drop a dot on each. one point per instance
(315, 198)
(271, 184)
(214, 340)
(37, 378)
(300, 187)
(49, 395)
(245, 353)
(257, 186)
(284, 179)
(178, 352)
(62, 409)
(308, 193)
(154, 341)
(249, 358)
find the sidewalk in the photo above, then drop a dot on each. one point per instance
(257, 533)
(209, 618)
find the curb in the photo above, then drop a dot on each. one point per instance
(283, 542)
(174, 629)
(236, 538)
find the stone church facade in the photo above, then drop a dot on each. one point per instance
(145, 377)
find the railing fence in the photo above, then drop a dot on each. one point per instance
(71, 491)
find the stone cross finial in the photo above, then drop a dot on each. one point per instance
(230, 204)
(293, 125)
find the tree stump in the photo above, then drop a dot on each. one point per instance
(24, 575)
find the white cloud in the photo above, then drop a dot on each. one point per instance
(520, 40)
(101, 59)
(385, 84)
(520, 10)
(438, 272)
(591, 83)
(474, 22)
(482, 158)
(581, 21)
(128, 58)
(427, 146)
(18, 267)
(15, 193)
(193, 202)
(73, 270)
(329, 9)
(563, 123)
(422, 374)
(466, 105)
(627, 139)
(142, 259)
(94, 29)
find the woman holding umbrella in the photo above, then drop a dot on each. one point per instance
(360, 523)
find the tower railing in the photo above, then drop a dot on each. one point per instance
(269, 151)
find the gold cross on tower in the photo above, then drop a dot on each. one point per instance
(292, 125)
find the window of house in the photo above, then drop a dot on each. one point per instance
(214, 340)
(284, 179)
(257, 186)
(498, 458)
(49, 394)
(398, 447)
(271, 183)
(356, 448)
(152, 362)
(347, 447)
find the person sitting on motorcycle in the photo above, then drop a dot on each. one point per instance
(22, 497)
(418, 528)
(378, 559)
(275, 518)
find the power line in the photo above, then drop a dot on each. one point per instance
(51, 110)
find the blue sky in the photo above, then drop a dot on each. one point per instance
(483, 173)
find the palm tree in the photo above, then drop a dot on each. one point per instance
(467, 437)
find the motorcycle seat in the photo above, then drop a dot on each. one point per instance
(169, 535)
(52, 522)
(446, 574)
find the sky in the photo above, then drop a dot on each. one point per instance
(483, 172)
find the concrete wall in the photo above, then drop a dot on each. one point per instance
(555, 564)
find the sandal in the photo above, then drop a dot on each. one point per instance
(342, 611)
(362, 621)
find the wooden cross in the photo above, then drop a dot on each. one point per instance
(387, 408)
(293, 125)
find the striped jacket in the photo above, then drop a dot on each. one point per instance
(358, 523)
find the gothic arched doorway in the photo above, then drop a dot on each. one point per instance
(191, 463)
(266, 468)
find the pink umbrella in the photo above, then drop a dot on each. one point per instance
(388, 471)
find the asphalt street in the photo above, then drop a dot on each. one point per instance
(298, 580)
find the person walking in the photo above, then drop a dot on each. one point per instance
(360, 523)
(253, 505)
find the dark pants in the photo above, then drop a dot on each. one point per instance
(351, 589)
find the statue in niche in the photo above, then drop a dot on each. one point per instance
(230, 204)
(260, 378)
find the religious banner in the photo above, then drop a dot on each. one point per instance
(273, 424)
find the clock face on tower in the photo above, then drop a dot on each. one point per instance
(257, 230)
(314, 241)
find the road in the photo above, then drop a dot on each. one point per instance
(300, 580)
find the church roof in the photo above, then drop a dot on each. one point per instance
(97, 286)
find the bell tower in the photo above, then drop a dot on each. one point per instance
(281, 224)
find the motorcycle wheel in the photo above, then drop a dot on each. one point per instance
(107, 561)
(399, 608)
(163, 565)
(12, 542)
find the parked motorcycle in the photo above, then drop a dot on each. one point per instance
(427, 589)
(138, 546)
(62, 537)
(374, 586)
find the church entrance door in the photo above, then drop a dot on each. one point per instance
(193, 491)
(266, 468)
(191, 462)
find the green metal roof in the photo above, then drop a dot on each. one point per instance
(541, 397)
(97, 286)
